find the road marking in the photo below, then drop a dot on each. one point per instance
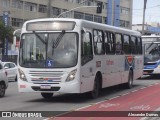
(107, 105)
(140, 107)
(117, 96)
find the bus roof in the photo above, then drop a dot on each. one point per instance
(151, 38)
(87, 23)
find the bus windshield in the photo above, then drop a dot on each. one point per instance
(152, 52)
(59, 48)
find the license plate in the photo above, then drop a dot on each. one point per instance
(45, 87)
(145, 72)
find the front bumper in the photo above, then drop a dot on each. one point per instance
(66, 87)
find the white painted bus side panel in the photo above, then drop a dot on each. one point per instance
(125, 75)
(87, 76)
(108, 69)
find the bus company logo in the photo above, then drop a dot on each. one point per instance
(130, 59)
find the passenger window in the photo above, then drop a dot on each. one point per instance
(98, 42)
(109, 43)
(118, 39)
(133, 45)
(139, 45)
(87, 53)
(126, 46)
(7, 65)
(12, 65)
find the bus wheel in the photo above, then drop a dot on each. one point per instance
(16, 79)
(129, 84)
(47, 95)
(96, 88)
(2, 89)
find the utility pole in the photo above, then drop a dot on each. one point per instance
(144, 9)
(49, 9)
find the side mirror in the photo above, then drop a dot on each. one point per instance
(6, 67)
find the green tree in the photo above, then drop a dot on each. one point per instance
(6, 32)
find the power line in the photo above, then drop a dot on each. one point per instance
(148, 7)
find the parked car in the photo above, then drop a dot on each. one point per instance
(3, 80)
(11, 69)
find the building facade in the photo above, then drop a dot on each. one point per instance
(114, 12)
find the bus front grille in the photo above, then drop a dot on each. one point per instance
(147, 71)
(154, 63)
(46, 73)
(50, 77)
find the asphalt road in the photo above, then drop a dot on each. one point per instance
(15, 101)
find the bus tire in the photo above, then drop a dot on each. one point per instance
(96, 88)
(47, 95)
(16, 79)
(129, 84)
(2, 89)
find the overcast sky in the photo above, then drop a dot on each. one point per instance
(152, 11)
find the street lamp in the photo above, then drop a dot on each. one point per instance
(144, 9)
(99, 8)
(76, 9)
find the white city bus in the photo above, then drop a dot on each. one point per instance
(151, 45)
(59, 55)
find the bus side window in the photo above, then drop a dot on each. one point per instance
(118, 38)
(109, 42)
(86, 48)
(126, 46)
(108, 46)
(139, 45)
(98, 42)
(133, 45)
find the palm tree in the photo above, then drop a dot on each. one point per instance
(6, 32)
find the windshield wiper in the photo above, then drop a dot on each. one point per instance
(149, 46)
(57, 41)
(59, 38)
(43, 41)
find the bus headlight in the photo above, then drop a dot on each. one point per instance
(71, 75)
(22, 75)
